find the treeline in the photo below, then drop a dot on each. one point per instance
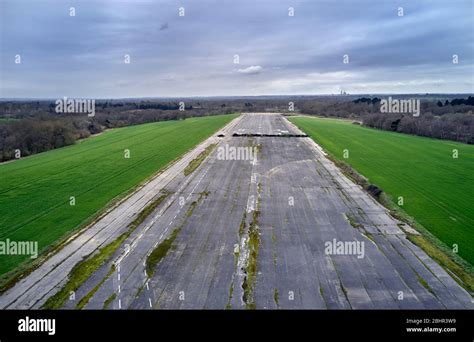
(367, 100)
(447, 124)
(452, 121)
(21, 138)
(356, 107)
(457, 102)
(34, 126)
(457, 127)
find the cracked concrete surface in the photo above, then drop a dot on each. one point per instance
(304, 202)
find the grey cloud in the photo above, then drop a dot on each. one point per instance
(83, 56)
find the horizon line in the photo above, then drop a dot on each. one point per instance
(225, 96)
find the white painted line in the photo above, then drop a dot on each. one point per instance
(120, 304)
(119, 289)
(147, 287)
(149, 301)
(118, 276)
(159, 215)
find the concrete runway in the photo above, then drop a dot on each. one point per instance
(254, 233)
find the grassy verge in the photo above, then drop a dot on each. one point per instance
(458, 272)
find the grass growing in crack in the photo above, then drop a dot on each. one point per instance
(369, 236)
(109, 300)
(91, 293)
(344, 291)
(242, 225)
(82, 271)
(160, 252)
(248, 284)
(253, 245)
(193, 205)
(162, 249)
(231, 292)
(353, 222)
(194, 164)
(276, 297)
(85, 268)
(321, 290)
(257, 147)
(425, 284)
(148, 210)
(274, 240)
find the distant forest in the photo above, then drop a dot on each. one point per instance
(34, 126)
(451, 120)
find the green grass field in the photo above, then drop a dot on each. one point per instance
(438, 190)
(35, 191)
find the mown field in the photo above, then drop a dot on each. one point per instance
(438, 190)
(35, 191)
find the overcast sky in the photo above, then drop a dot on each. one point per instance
(194, 55)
